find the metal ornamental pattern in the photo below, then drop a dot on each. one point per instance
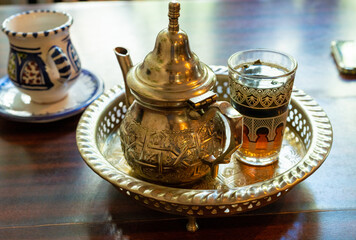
(171, 156)
(308, 140)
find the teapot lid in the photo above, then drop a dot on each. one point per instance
(171, 73)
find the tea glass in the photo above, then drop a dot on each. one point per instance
(261, 83)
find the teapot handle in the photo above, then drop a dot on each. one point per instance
(233, 122)
(62, 63)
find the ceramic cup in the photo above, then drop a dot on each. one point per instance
(43, 62)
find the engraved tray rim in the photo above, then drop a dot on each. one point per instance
(163, 198)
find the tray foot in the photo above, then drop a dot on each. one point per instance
(192, 225)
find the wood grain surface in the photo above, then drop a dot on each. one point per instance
(48, 192)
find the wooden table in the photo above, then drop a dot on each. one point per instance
(48, 192)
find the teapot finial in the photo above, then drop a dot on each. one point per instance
(173, 14)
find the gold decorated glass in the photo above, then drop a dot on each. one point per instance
(261, 83)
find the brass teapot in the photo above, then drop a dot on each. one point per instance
(174, 131)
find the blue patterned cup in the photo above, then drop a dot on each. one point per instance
(43, 62)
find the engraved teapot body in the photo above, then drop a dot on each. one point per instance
(171, 146)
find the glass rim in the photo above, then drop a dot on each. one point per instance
(257, 77)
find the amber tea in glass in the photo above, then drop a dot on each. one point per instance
(261, 83)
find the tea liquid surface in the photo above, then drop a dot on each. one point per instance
(262, 74)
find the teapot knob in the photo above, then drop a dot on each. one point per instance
(173, 14)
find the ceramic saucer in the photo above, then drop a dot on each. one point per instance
(17, 106)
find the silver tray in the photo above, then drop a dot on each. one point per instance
(238, 187)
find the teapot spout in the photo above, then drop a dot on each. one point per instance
(124, 59)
